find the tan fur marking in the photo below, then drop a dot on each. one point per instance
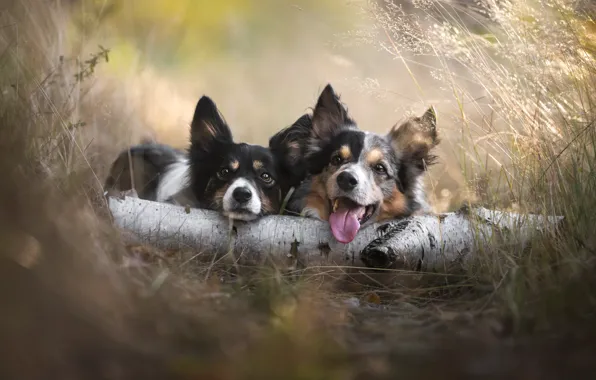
(235, 165)
(257, 164)
(345, 152)
(294, 145)
(412, 136)
(394, 206)
(420, 138)
(317, 198)
(374, 156)
(267, 204)
(219, 196)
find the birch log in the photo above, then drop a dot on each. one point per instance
(426, 242)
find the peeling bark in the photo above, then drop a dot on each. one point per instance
(425, 242)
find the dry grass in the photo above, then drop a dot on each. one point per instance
(78, 303)
(532, 147)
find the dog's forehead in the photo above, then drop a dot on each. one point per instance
(376, 148)
(349, 140)
(247, 156)
(260, 154)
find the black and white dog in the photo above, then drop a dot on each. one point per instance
(241, 181)
(350, 177)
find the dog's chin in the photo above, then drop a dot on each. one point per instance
(242, 215)
(348, 216)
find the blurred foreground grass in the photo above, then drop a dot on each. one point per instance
(77, 303)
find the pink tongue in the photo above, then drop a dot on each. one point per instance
(344, 224)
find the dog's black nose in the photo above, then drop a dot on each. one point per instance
(346, 181)
(242, 194)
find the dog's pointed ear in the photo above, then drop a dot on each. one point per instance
(329, 115)
(414, 139)
(288, 147)
(429, 119)
(208, 126)
(288, 144)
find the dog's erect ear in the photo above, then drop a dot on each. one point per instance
(288, 144)
(208, 126)
(288, 147)
(429, 119)
(414, 139)
(329, 115)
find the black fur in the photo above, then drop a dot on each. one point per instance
(329, 116)
(213, 161)
(209, 154)
(318, 160)
(149, 163)
(290, 150)
(330, 127)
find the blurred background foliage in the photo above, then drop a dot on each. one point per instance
(178, 35)
(262, 61)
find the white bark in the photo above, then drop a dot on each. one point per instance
(419, 242)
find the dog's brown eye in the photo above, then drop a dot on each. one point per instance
(223, 173)
(380, 168)
(336, 160)
(266, 178)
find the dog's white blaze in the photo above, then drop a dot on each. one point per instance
(176, 178)
(235, 211)
(364, 193)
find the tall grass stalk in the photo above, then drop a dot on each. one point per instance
(533, 147)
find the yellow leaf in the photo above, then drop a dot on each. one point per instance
(373, 297)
